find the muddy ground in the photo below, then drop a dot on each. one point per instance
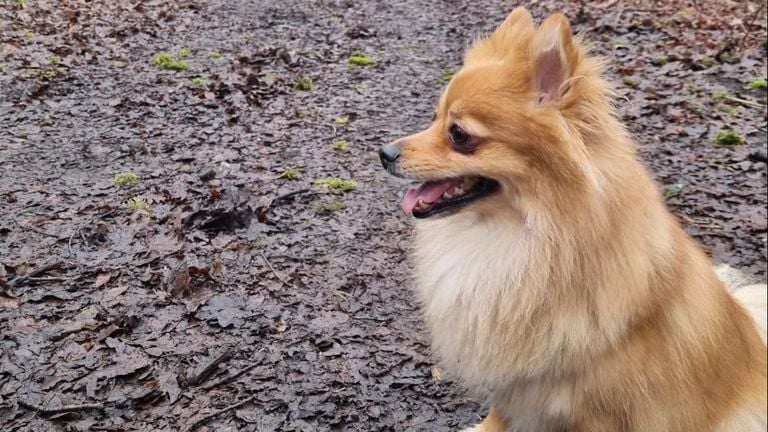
(222, 273)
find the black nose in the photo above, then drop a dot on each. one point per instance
(389, 154)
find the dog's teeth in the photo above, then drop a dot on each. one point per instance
(457, 190)
(449, 195)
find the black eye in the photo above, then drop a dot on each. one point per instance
(459, 138)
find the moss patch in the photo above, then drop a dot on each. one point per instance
(341, 146)
(125, 179)
(726, 137)
(337, 184)
(359, 58)
(165, 60)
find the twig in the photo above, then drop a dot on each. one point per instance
(743, 101)
(743, 41)
(20, 280)
(39, 231)
(61, 409)
(79, 229)
(290, 194)
(607, 4)
(229, 378)
(49, 279)
(217, 413)
(269, 264)
(206, 370)
(370, 318)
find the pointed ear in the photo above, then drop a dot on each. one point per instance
(519, 21)
(511, 34)
(555, 56)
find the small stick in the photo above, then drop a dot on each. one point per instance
(38, 230)
(273, 269)
(58, 410)
(217, 413)
(207, 370)
(744, 101)
(290, 194)
(20, 280)
(229, 378)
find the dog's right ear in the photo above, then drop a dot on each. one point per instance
(555, 55)
(514, 32)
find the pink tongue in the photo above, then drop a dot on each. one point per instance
(428, 192)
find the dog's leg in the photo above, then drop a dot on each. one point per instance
(492, 423)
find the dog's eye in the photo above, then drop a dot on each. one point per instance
(459, 138)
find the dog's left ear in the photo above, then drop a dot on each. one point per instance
(555, 56)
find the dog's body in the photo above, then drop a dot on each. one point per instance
(560, 287)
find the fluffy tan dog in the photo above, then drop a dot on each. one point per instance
(552, 277)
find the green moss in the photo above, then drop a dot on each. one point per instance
(629, 82)
(270, 78)
(125, 179)
(719, 96)
(119, 64)
(337, 184)
(54, 60)
(726, 137)
(52, 74)
(198, 80)
(673, 190)
(727, 57)
(341, 145)
(359, 58)
(303, 84)
(661, 61)
(708, 62)
(291, 173)
(619, 43)
(183, 53)
(726, 109)
(216, 55)
(138, 203)
(29, 34)
(447, 75)
(330, 206)
(166, 61)
(759, 83)
(341, 121)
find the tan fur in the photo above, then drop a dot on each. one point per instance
(572, 299)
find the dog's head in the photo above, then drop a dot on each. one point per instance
(509, 128)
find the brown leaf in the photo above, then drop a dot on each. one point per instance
(102, 279)
(8, 302)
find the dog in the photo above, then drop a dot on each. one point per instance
(553, 280)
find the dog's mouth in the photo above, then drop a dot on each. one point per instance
(447, 196)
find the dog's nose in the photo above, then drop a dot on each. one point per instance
(389, 154)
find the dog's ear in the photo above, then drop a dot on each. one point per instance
(513, 33)
(555, 55)
(518, 22)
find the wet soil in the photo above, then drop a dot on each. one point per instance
(225, 289)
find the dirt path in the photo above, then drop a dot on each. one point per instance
(242, 277)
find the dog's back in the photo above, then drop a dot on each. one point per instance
(754, 297)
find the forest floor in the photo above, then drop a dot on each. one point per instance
(166, 248)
